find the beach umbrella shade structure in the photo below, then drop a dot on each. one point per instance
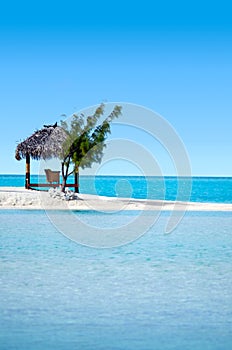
(41, 145)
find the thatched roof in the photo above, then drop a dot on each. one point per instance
(43, 144)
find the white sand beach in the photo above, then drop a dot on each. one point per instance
(20, 198)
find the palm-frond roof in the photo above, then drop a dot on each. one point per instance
(42, 144)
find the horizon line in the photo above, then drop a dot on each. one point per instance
(130, 175)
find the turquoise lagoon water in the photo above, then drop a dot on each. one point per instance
(159, 292)
(204, 189)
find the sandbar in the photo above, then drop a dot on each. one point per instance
(20, 198)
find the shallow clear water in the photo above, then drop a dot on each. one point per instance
(159, 292)
(204, 189)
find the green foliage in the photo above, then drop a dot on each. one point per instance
(85, 139)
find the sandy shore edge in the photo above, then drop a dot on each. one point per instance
(20, 198)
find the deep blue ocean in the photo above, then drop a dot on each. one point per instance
(204, 189)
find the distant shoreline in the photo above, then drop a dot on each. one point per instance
(20, 198)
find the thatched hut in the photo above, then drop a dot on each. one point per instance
(43, 144)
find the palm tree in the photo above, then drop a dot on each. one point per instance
(85, 142)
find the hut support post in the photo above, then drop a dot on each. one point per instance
(76, 177)
(27, 178)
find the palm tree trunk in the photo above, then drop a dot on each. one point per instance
(76, 177)
(64, 177)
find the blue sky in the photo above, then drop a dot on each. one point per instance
(174, 57)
